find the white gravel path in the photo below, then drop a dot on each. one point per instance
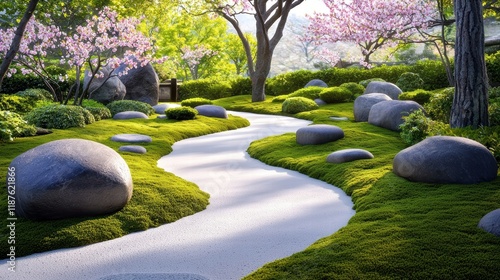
(257, 214)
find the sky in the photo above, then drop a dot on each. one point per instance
(308, 7)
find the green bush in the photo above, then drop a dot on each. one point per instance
(486, 135)
(417, 126)
(420, 96)
(493, 66)
(294, 105)
(494, 92)
(241, 86)
(280, 98)
(12, 125)
(14, 103)
(336, 95)
(181, 113)
(60, 116)
(92, 103)
(37, 94)
(439, 106)
(197, 101)
(288, 82)
(410, 81)
(206, 88)
(99, 113)
(355, 88)
(365, 83)
(432, 72)
(130, 105)
(308, 92)
(494, 113)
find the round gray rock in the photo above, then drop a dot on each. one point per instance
(70, 178)
(392, 90)
(212, 111)
(364, 103)
(142, 84)
(318, 134)
(132, 138)
(447, 160)
(130, 115)
(316, 83)
(133, 149)
(491, 222)
(389, 114)
(320, 102)
(348, 155)
(112, 89)
(161, 108)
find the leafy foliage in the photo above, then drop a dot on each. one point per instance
(15, 103)
(241, 86)
(417, 126)
(439, 106)
(37, 94)
(60, 116)
(288, 82)
(280, 98)
(206, 88)
(308, 92)
(493, 66)
(181, 113)
(336, 95)
(410, 81)
(197, 101)
(420, 96)
(294, 105)
(355, 88)
(99, 113)
(13, 125)
(365, 83)
(130, 105)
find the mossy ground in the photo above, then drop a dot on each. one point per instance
(159, 197)
(401, 229)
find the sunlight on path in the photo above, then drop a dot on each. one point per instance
(257, 214)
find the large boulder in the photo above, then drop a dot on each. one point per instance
(70, 178)
(318, 134)
(316, 83)
(392, 90)
(447, 160)
(389, 114)
(348, 155)
(212, 111)
(364, 103)
(491, 222)
(142, 84)
(113, 89)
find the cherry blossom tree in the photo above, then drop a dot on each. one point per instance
(192, 57)
(371, 24)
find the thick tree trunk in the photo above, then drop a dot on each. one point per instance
(16, 42)
(470, 103)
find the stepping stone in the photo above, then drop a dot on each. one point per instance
(161, 108)
(392, 90)
(339, 118)
(348, 155)
(491, 222)
(212, 111)
(364, 103)
(318, 134)
(130, 115)
(132, 138)
(133, 149)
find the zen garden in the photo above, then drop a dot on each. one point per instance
(250, 139)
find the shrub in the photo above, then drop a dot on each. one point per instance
(92, 103)
(432, 72)
(288, 82)
(365, 83)
(294, 105)
(355, 88)
(336, 95)
(99, 113)
(206, 88)
(439, 106)
(493, 66)
(130, 105)
(308, 92)
(16, 103)
(181, 113)
(494, 113)
(409, 81)
(193, 102)
(241, 86)
(280, 98)
(420, 96)
(37, 94)
(494, 92)
(417, 126)
(60, 116)
(12, 125)
(486, 135)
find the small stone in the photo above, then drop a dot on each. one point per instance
(133, 149)
(491, 222)
(130, 115)
(339, 118)
(162, 107)
(348, 155)
(316, 83)
(132, 138)
(162, 117)
(318, 134)
(212, 111)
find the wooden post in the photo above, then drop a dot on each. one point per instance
(173, 89)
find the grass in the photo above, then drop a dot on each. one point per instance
(159, 197)
(401, 229)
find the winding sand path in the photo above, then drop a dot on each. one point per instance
(257, 214)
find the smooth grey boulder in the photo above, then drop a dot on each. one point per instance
(364, 103)
(133, 149)
(132, 138)
(389, 114)
(318, 134)
(126, 115)
(161, 108)
(392, 90)
(320, 102)
(70, 178)
(446, 160)
(491, 222)
(316, 83)
(348, 155)
(212, 111)
(113, 89)
(142, 84)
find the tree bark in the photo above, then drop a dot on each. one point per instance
(470, 103)
(16, 42)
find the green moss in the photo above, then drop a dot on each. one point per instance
(159, 197)
(294, 105)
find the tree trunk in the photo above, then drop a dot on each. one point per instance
(16, 42)
(470, 103)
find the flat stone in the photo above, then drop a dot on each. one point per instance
(130, 115)
(348, 155)
(70, 178)
(364, 103)
(132, 138)
(339, 118)
(491, 222)
(446, 160)
(389, 114)
(212, 111)
(392, 90)
(318, 134)
(133, 149)
(162, 117)
(162, 107)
